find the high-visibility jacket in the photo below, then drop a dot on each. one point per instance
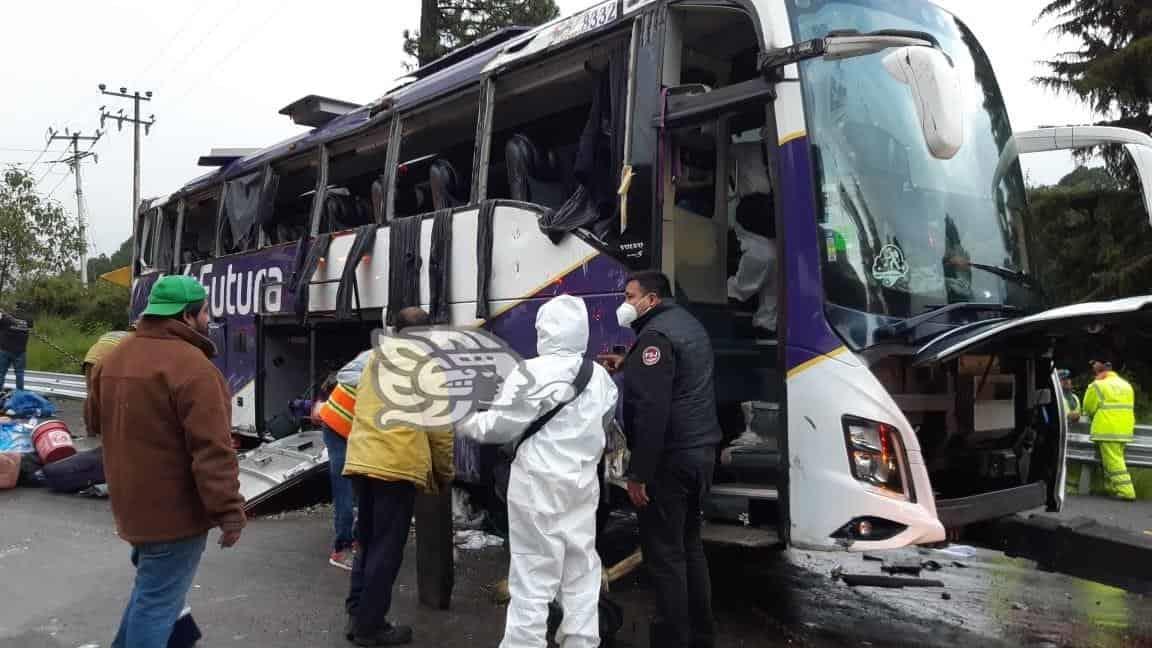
(1071, 402)
(1110, 402)
(338, 410)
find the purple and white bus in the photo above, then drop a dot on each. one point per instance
(832, 185)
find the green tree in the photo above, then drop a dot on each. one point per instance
(104, 263)
(37, 238)
(1092, 242)
(1112, 69)
(457, 23)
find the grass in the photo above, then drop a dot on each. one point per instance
(70, 335)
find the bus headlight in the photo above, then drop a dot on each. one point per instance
(876, 455)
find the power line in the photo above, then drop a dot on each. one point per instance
(247, 40)
(184, 24)
(53, 192)
(187, 55)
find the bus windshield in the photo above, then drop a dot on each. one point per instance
(903, 232)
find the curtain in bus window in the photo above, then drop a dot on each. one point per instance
(302, 281)
(440, 266)
(483, 256)
(361, 247)
(265, 213)
(378, 211)
(599, 158)
(241, 202)
(403, 265)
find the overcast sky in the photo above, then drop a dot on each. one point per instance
(221, 69)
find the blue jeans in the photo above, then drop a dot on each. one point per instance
(343, 498)
(16, 361)
(164, 573)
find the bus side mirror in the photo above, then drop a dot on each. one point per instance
(1060, 138)
(936, 92)
(1142, 158)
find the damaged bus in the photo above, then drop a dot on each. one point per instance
(885, 372)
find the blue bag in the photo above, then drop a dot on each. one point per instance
(26, 404)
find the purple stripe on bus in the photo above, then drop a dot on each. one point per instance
(807, 329)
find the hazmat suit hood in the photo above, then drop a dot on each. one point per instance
(562, 327)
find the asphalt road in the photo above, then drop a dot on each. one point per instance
(70, 575)
(64, 577)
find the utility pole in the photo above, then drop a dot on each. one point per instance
(136, 122)
(74, 161)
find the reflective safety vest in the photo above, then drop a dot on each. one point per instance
(1071, 402)
(1110, 402)
(338, 410)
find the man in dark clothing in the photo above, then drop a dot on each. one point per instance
(15, 327)
(670, 420)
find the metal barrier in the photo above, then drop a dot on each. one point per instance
(1138, 453)
(1080, 446)
(54, 384)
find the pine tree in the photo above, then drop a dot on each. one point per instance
(459, 22)
(1112, 69)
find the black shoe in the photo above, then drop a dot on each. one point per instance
(350, 628)
(389, 635)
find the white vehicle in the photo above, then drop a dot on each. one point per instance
(907, 386)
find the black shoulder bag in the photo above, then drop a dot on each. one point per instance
(507, 454)
(580, 384)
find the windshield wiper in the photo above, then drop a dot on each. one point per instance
(910, 324)
(1015, 276)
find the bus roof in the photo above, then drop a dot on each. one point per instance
(454, 71)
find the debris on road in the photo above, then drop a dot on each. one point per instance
(873, 580)
(473, 539)
(957, 551)
(910, 567)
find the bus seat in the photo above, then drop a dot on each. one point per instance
(533, 176)
(445, 184)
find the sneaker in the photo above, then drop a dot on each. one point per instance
(343, 558)
(389, 635)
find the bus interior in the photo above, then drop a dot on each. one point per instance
(198, 232)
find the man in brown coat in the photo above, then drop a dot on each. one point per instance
(164, 413)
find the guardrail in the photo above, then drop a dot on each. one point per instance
(61, 385)
(1138, 453)
(1080, 446)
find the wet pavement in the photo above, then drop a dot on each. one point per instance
(70, 573)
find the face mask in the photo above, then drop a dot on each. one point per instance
(626, 314)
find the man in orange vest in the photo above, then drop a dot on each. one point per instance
(335, 417)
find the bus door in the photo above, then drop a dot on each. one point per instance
(719, 248)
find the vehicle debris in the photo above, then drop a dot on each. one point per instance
(874, 580)
(910, 567)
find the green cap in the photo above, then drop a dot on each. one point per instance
(172, 294)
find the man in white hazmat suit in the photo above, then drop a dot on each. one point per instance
(553, 489)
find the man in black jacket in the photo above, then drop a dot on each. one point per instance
(670, 420)
(15, 327)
